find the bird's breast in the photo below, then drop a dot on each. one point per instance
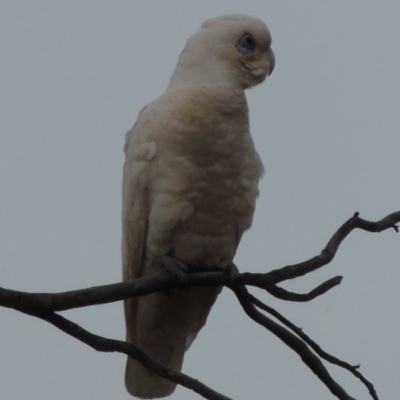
(206, 180)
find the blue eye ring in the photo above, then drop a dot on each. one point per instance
(246, 44)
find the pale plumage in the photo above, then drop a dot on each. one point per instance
(190, 184)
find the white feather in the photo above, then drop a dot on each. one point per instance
(189, 189)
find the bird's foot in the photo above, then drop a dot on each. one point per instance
(229, 268)
(174, 267)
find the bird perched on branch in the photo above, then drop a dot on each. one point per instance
(189, 189)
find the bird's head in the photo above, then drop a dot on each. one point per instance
(232, 49)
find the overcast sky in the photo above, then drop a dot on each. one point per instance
(75, 74)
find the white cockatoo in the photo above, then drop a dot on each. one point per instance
(190, 184)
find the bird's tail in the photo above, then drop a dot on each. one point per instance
(145, 384)
(156, 332)
(163, 327)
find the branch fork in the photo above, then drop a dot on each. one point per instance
(46, 305)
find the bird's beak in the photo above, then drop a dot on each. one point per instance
(271, 59)
(260, 66)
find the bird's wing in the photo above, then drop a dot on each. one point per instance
(139, 169)
(140, 150)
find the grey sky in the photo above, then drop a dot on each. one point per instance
(74, 76)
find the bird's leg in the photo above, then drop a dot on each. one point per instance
(175, 267)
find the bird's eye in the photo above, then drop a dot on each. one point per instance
(246, 44)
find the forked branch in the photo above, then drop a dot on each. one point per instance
(44, 306)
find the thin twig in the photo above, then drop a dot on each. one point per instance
(323, 354)
(297, 345)
(100, 343)
(284, 294)
(330, 250)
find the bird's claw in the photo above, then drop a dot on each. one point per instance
(229, 268)
(174, 267)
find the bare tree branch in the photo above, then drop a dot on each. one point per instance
(284, 294)
(110, 345)
(44, 305)
(328, 357)
(327, 254)
(53, 302)
(140, 287)
(297, 345)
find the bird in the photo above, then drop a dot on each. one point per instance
(190, 183)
